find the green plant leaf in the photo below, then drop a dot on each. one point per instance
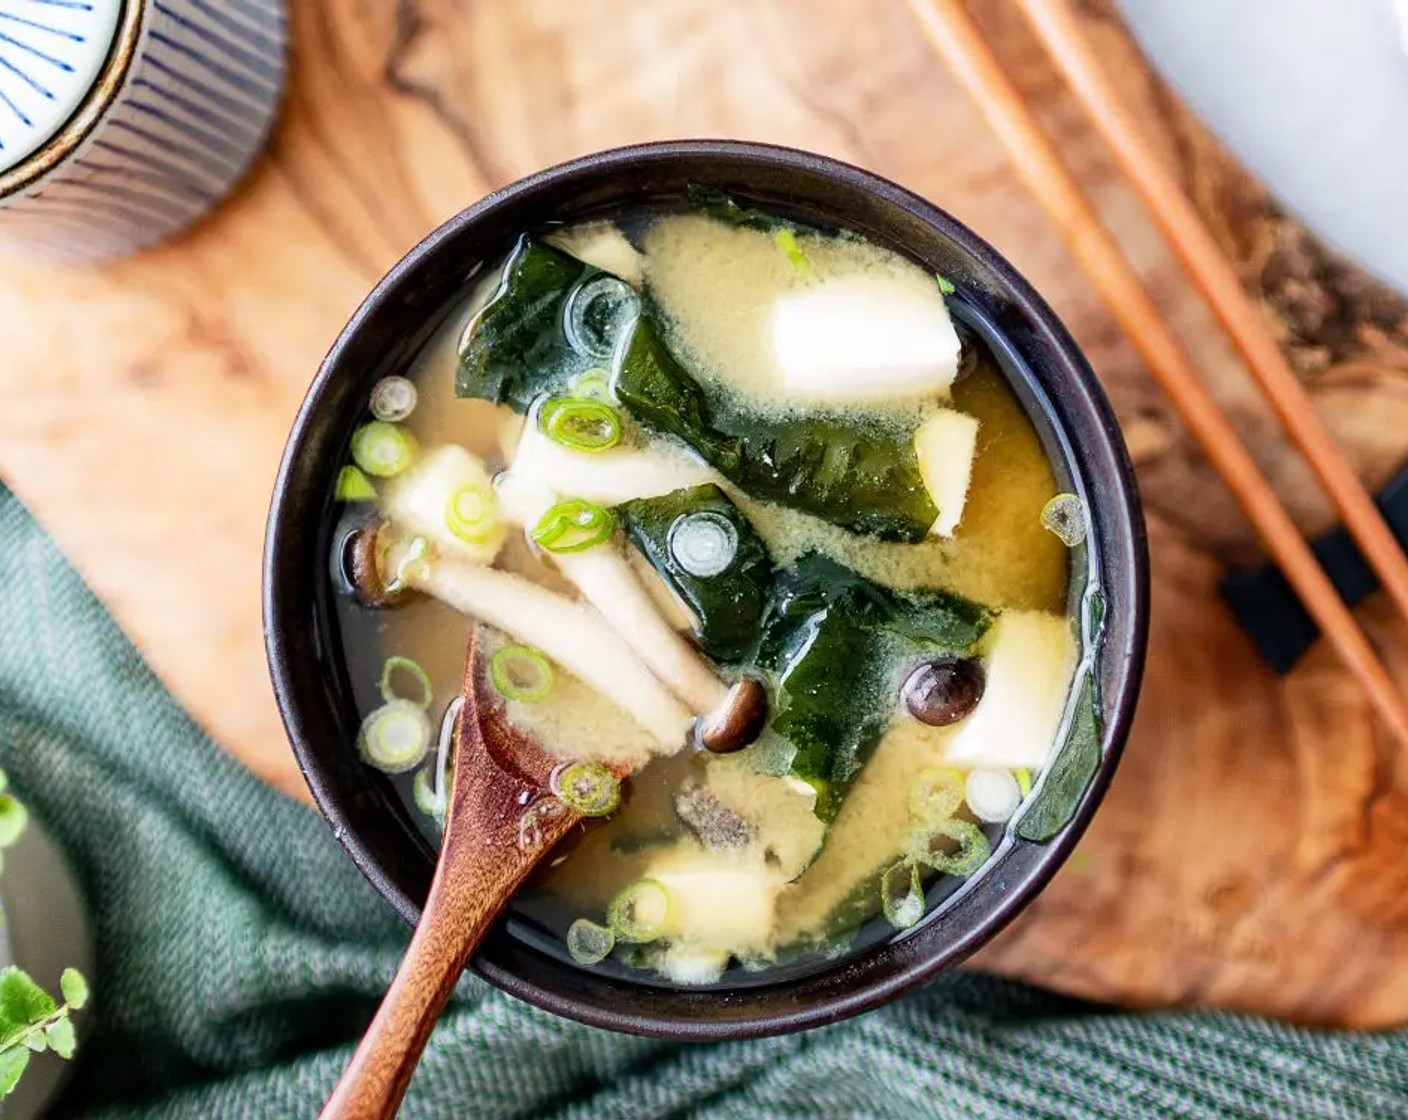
(22, 1004)
(12, 1066)
(34, 1040)
(13, 818)
(730, 604)
(4, 781)
(74, 987)
(63, 1039)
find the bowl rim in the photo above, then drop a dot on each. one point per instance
(1130, 544)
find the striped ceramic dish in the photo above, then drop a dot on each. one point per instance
(122, 121)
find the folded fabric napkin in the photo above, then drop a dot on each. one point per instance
(240, 955)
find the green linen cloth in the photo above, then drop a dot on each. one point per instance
(240, 955)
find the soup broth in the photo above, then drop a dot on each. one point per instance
(699, 445)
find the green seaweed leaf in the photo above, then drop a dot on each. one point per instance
(836, 643)
(1071, 772)
(730, 605)
(515, 350)
(722, 207)
(856, 475)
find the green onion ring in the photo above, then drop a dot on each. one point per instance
(973, 847)
(1064, 515)
(423, 792)
(573, 526)
(594, 385)
(383, 449)
(415, 672)
(588, 787)
(354, 486)
(639, 913)
(786, 240)
(588, 942)
(470, 514)
(902, 894)
(581, 425)
(395, 737)
(393, 398)
(506, 671)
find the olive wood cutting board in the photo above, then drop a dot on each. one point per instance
(1251, 851)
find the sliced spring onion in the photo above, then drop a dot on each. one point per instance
(413, 562)
(589, 943)
(588, 787)
(573, 526)
(594, 385)
(1064, 515)
(945, 284)
(471, 513)
(393, 399)
(521, 673)
(936, 794)
(1024, 781)
(954, 847)
(639, 913)
(786, 240)
(703, 544)
(383, 449)
(354, 486)
(992, 795)
(395, 737)
(580, 425)
(902, 894)
(423, 791)
(413, 670)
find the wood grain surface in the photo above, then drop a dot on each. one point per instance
(1250, 853)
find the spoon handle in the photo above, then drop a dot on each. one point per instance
(482, 862)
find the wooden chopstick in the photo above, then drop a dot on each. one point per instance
(958, 41)
(1057, 26)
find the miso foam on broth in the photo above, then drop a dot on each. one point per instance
(722, 865)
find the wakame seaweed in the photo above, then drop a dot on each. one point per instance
(1071, 770)
(516, 349)
(833, 642)
(859, 476)
(729, 605)
(723, 207)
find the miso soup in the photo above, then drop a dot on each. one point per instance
(762, 545)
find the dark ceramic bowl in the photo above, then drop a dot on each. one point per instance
(1061, 395)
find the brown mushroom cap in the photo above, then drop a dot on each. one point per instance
(738, 721)
(362, 554)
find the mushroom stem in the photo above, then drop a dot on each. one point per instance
(604, 576)
(571, 633)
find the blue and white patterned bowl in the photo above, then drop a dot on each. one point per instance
(122, 121)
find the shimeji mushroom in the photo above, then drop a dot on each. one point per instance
(619, 644)
(571, 633)
(731, 715)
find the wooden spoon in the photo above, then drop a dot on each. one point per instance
(500, 823)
